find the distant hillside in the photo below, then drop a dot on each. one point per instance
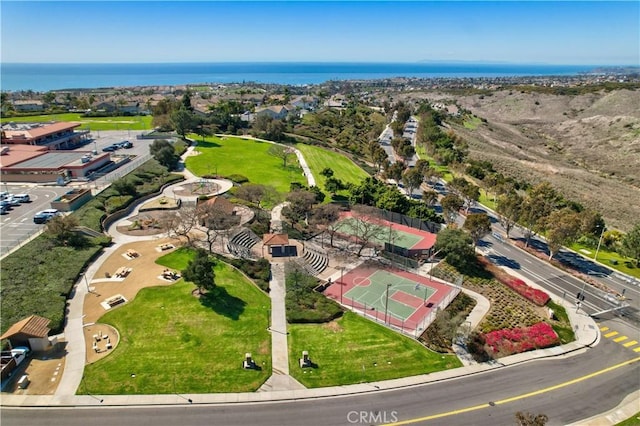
(587, 145)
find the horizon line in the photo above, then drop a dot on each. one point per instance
(419, 62)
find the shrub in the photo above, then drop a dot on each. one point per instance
(534, 295)
(303, 304)
(516, 340)
(239, 179)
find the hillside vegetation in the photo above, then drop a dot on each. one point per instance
(587, 145)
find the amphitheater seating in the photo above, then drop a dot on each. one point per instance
(240, 243)
(316, 260)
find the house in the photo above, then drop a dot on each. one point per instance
(126, 108)
(304, 102)
(277, 112)
(32, 332)
(28, 106)
(336, 101)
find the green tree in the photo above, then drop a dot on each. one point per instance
(163, 151)
(451, 204)
(430, 198)
(412, 179)
(394, 171)
(327, 172)
(200, 271)
(456, 245)
(631, 244)
(300, 204)
(563, 227)
(509, 207)
(124, 187)
(61, 228)
(183, 121)
(478, 225)
(541, 200)
(333, 185)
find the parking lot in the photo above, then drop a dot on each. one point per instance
(17, 225)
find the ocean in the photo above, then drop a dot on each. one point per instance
(44, 77)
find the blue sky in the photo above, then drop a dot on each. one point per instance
(573, 32)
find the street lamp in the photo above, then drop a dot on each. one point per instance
(599, 242)
(86, 282)
(386, 304)
(341, 283)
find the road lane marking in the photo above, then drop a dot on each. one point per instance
(620, 339)
(631, 343)
(613, 333)
(604, 328)
(636, 350)
(523, 396)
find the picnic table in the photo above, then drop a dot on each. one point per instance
(122, 272)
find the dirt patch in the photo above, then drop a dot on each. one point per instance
(144, 273)
(105, 338)
(333, 326)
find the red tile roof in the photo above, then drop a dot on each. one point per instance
(34, 325)
(275, 239)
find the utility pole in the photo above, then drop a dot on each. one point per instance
(599, 242)
(386, 304)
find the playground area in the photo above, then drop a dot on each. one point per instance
(397, 298)
(394, 237)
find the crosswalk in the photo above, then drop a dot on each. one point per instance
(616, 337)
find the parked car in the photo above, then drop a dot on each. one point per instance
(12, 200)
(45, 216)
(4, 209)
(3, 195)
(22, 198)
(125, 144)
(110, 148)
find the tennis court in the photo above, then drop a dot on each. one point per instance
(392, 296)
(409, 240)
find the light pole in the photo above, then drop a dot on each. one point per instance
(341, 282)
(386, 304)
(425, 295)
(599, 242)
(86, 282)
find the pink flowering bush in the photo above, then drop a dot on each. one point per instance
(516, 340)
(534, 295)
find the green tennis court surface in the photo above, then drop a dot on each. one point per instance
(386, 235)
(371, 291)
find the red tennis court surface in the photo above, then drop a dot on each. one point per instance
(397, 298)
(426, 240)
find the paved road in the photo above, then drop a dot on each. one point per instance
(560, 388)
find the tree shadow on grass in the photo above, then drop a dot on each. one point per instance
(207, 144)
(223, 303)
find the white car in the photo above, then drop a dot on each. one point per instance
(22, 198)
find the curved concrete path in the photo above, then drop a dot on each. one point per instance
(285, 388)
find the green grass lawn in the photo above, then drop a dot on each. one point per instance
(486, 199)
(610, 258)
(353, 349)
(92, 123)
(231, 155)
(422, 153)
(176, 343)
(631, 421)
(344, 169)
